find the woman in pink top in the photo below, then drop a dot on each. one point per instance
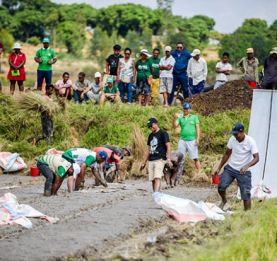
(63, 87)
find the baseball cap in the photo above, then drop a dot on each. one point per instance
(237, 128)
(168, 49)
(46, 40)
(97, 75)
(249, 50)
(151, 121)
(103, 155)
(110, 79)
(195, 52)
(186, 106)
(17, 46)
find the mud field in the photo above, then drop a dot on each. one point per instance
(89, 220)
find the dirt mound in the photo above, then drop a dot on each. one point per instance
(233, 95)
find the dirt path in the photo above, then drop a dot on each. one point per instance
(88, 219)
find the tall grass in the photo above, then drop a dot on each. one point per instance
(93, 126)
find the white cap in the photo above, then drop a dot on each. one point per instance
(167, 49)
(195, 52)
(97, 75)
(17, 46)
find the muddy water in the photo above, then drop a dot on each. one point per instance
(88, 219)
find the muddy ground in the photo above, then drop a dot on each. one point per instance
(89, 220)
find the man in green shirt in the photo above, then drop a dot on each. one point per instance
(144, 77)
(45, 57)
(54, 168)
(110, 92)
(84, 158)
(155, 71)
(190, 134)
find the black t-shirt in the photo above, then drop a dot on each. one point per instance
(157, 142)
(113, 60)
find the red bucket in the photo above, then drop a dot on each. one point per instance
(34, 171)
(216, 179)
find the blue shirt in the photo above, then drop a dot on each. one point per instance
(181, 64)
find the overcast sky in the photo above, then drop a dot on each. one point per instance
(228, 14)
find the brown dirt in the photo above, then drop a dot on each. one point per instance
(233, 95)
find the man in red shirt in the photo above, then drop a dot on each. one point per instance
(111, 169)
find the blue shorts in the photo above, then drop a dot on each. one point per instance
(143, 88)
(244, 181)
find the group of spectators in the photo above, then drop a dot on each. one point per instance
(125, 78)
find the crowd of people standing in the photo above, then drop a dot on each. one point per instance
(125, 78)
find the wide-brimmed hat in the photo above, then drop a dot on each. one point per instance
(145, 52)
(17, 46)
(274, 50)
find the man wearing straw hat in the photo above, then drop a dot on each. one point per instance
(270, 71)
(249, 66)
(45, 57)
(158, 153)
(17, 59)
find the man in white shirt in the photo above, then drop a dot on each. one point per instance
(244, 154)
(94, 90)
(166, 76)
(197, 73)
(223, 69)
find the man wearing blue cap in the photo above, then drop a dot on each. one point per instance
(244, 154)
(190, 134)
(45, 57)
(86, 158)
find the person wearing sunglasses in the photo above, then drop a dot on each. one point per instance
(180, 76)
(125, 75)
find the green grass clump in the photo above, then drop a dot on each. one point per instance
(95, 126)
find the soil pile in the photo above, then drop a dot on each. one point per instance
(233, 95)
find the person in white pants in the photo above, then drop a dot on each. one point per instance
(190, 134)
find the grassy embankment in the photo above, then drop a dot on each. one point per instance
(245, 236)
(91, 126)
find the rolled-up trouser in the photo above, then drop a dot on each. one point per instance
(48, 174)
(244, 181)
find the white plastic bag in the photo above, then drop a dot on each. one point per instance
(182, 210)
(11, 162)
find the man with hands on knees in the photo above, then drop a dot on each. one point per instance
(244, 154)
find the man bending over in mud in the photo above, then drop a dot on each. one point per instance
(54, 168)
(85, 158)
(173, 172)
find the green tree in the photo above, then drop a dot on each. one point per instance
(72, 35)
(253, 33)
(101, 45)
(125, 17)
(7, 39)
